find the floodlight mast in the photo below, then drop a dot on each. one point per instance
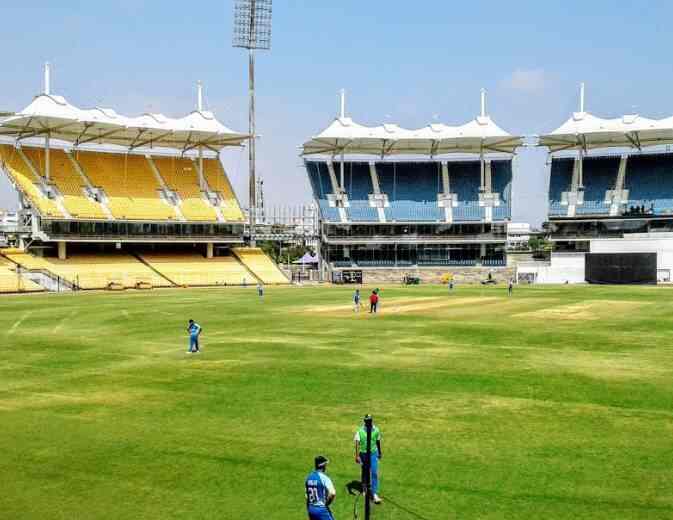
(252, 31)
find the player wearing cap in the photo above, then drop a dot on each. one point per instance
(361, 453)
(320, 492)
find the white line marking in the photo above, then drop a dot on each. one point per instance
(19, 322)
(60, 324)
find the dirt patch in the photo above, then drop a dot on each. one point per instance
(585, 311)
(403, 305)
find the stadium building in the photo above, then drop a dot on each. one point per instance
(424, 202)
(109, 201)
(610, 211)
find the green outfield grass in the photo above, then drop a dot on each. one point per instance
(555, 403)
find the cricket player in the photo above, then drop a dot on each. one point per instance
(361, 453)
(320, 492)
(194, 330)
(260, 290)
(510, 287)
(356, 300)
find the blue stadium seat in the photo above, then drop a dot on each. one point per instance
(412, 190)
(501, 182)
(358, 186)
(599, 175)
(464, 179)
(649, 179)
(560, 180)
(318, 175)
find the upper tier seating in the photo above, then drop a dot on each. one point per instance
(11, 281)
(318, 175)
(599, 175)
(181, 176)
(260, 265)
(358, 185)
(560, 180)
(218, 181)
(94, 271)
(68, 181)
(412, 190)
(501, 183)
(129, 183)
(464, 179)
(649, 179)
(196, 270)
(27, 182)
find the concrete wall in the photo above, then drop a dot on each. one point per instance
(563, 267)
(468, 275)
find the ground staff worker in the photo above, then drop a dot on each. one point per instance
(361, 453)
(320, 492)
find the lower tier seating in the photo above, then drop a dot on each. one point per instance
(12, 281)
(196, 270)
(260, 265)
(94, 271)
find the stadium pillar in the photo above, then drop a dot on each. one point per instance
(62, 253)
(251, 149)
(209, 250)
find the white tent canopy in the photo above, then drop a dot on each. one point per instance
(344, 136)
(53, 117)
(586, 131)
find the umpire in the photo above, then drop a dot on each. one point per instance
(376, 453)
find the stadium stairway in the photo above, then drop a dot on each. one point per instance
(259, 264)
(12, 281)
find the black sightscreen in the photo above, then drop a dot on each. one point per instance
(621, 268)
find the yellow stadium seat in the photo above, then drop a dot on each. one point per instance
(27, 182)
(180, 175)
(94, 271)
(218, 181)
(129, 183)
(12, 281)
(69, 183)
(192, 269)
(260, 264)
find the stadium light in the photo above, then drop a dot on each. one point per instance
(252, 31)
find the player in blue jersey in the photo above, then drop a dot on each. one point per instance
(320, 492)
(194, 330)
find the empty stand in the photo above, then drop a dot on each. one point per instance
(501, 176)
(599, 175)
(218, 182)
(68, 182)
(318, 175)
(28, 183)
(12, 281)
(649, 179)
(358, 186)
(194, 269)
(93, 271)
(412, 190)
(464, 181)
(180, 176)
(260, 265)
(128, 182)
(560, 180)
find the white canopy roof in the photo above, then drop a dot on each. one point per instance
(588, 131)
(54, 116)
(348, 137)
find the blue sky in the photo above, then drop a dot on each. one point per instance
(400, 62)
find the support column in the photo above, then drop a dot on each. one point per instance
(62, 253)
(209, 250)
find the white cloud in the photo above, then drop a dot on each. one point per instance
(526, 80)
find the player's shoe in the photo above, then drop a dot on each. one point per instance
(377, 499)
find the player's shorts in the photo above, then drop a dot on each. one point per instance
(319, 513)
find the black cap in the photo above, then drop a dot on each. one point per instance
(320, 462)
(368, 418)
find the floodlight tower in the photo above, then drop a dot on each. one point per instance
(252, 31)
